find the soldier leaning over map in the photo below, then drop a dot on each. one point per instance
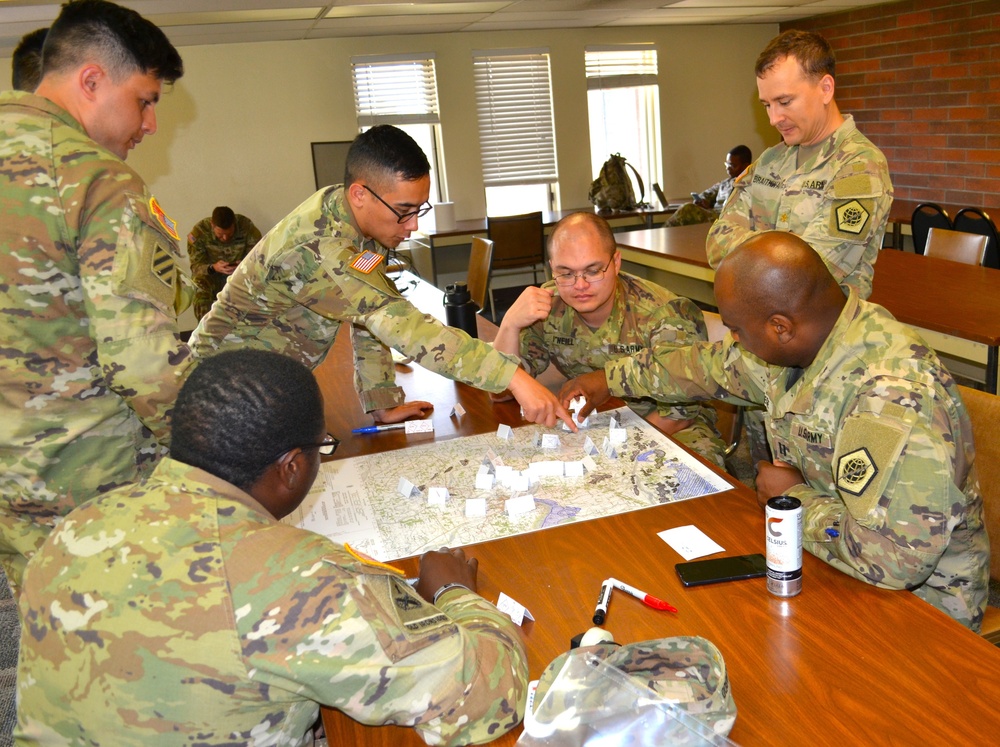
(866, 425)
(180, 611)
(90, 287)
(321, 267)
(826, 182)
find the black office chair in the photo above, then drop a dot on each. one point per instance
(927, 215)
(974, 220)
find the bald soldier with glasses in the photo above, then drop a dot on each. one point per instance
(323, 266)
(591, 313)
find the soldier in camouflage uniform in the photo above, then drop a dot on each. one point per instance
(826, 182)
(216, 245)
(321, 267)
(866, 424)
(593, 313)
(87, 256)
(180, 611)
(708, 204)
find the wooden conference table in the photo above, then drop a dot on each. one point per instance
(955, 307)
(842, 663)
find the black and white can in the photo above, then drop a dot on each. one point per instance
(783, 519)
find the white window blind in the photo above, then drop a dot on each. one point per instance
(622, 66)
(395, 90)
(514, 102)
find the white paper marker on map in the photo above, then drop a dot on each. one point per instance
(475, 507)
(573, 469)
(419, 426)
(547, 468)
(608, 449)
(577, 403)
(437, 496)
(484, 480)
(522, 504)
(504, 432)
(550, 441)
(618, 435)
(406, 488)
(514, 610)
(520, 481)
(589, 447)
(457, 411)
(589, 463)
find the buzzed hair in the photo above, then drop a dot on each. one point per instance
(743, 153)
(779, 273)
(812, 51)
(121, 39)
(592, 220)
(382, 155)
(223, 217)
(26, 62)
(240, 410)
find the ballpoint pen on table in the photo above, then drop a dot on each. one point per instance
(379, 428)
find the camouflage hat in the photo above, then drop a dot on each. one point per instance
(687, 671)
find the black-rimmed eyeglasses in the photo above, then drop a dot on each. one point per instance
(326, 447)
(420, 212)
(589, 276)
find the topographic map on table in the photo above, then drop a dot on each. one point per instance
(357, 500)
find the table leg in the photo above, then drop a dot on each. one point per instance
(992, 369)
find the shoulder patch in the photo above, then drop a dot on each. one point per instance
(852, 217)
(169, 225)
(162, 265)
(855, 471)
(366, 261)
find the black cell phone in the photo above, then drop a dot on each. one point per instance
(733, 568)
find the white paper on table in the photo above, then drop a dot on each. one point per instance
(589, 463)
(419, 426)
(505, 474)
(573, 469)
(690, 542)
(577, 403)
(457, 411)
(550, 441)
(521, 504)
(484, 481)
(589, 447)
(520, 481)
(514, 610)
(475, 507)
(406, 488)
(437, 496)
(547, 468)
(618, 435)
(505, 432)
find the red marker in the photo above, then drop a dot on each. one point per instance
(649, 601)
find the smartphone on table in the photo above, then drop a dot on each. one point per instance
(716, 570)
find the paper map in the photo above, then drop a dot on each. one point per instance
(356, 500)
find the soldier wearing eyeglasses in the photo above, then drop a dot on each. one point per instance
(322, 266)
(591, 313)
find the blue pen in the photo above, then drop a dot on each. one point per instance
(378, 428)
(832, 533)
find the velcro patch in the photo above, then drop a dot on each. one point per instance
(366, 261)
(163, 265)
(867, 451)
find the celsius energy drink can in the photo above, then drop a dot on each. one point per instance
(783, 519)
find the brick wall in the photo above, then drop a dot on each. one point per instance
(922, 79)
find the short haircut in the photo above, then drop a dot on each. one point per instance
(122, 40)
(26, 62)
(812, 51)
(382, 155)
(594, 221)
(743, 153)
(240, 410)
(223, 217)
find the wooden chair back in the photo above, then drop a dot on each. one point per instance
(480, 263)
(957, 246)
(518, 240)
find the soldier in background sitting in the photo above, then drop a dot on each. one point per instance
(707, 205)
(216, 246)
(181, 611)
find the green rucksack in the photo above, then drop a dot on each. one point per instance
(612, 189)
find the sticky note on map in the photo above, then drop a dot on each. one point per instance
(437, 496)
(419, 426)
(514, 610)
(504, 432)
(519, 505)
(406, 488)
(475, 507)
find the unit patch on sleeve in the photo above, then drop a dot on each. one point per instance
(852, 217)
(855, 471)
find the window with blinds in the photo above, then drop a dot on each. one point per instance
(401, 90)
(514, 103)
(624, 107)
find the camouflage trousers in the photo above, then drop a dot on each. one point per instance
(20, 537)
(690, 214)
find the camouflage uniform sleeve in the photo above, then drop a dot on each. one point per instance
(534, 353)
(201, 261)
(129, 280)
(894, 501)
(374, 372)
(353, 637)
(677, 324)
(735, 223)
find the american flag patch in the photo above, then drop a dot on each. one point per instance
(366, 261)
